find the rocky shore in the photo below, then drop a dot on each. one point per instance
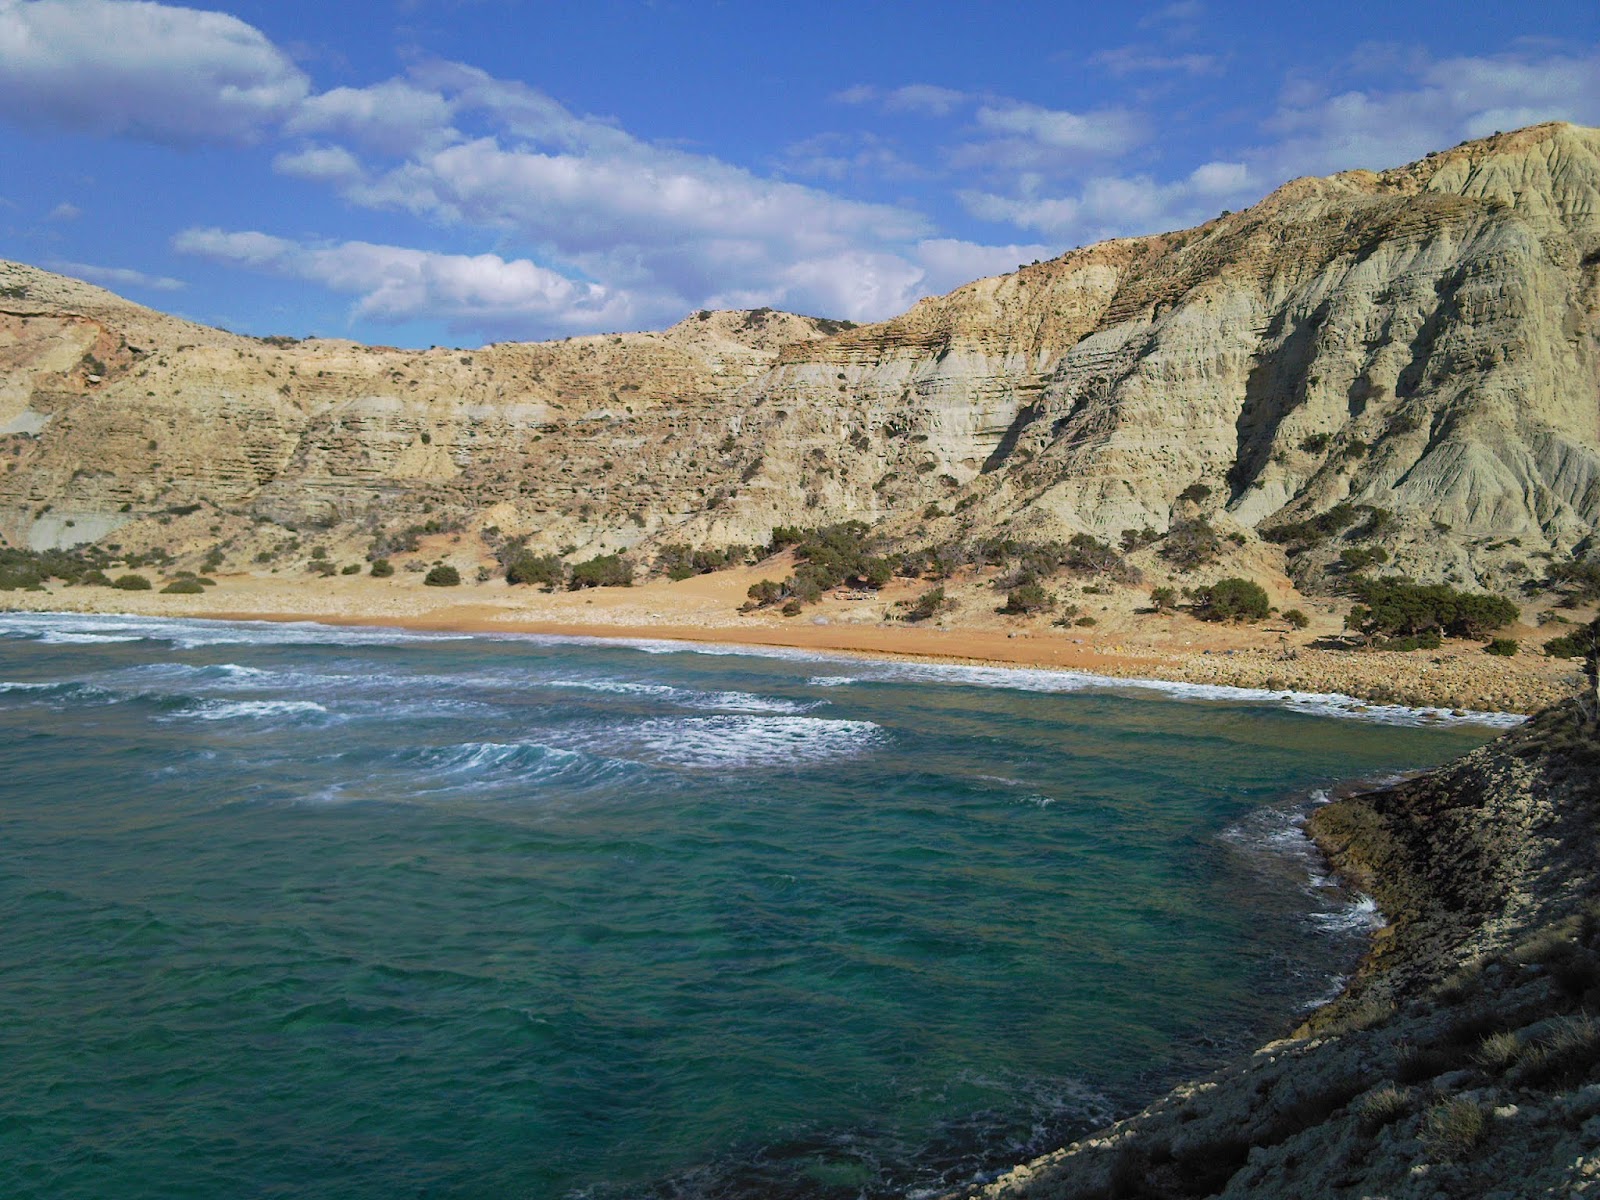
(1464, 1058)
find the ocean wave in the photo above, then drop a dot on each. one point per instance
(731, 701)
(1048, 680)
(190, 633)
(473, 757)
(749, 741)
(193, 633)
(1359, 915)
(231, 710)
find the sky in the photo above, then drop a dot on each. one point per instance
(455, 172)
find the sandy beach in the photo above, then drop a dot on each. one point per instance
(1123, 641)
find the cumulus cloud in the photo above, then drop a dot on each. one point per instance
(397, 283)
(117, 277)
(64, 211)
(1316, 129)
(1108, 132)
(950, 262)
(1130, 60)
(1320, 130)
(145, 70)
(1117, 205)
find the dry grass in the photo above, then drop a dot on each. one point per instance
(1455, 1126)
(1383, 1107)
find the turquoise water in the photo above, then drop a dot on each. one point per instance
(295, 911)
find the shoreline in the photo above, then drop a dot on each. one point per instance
(1013, 671)
(1123, 643)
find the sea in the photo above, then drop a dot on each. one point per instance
(293, 910)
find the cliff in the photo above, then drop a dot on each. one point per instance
(1422, 340)
(1464, 1060)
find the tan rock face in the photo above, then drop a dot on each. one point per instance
(1423, 340)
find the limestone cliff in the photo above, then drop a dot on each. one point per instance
(1422, 340)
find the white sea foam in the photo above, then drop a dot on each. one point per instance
(191, 633)
(746, 741)
(70, 638)
(721, 701)
(230, 710)
(1361, 914)
(493, 756)
(1040, 679)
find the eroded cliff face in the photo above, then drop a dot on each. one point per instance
(1423, 340)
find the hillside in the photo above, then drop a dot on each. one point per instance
(1422, 341)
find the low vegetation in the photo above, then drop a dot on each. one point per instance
(1231, 599)
(1403, 612)
(442, 576)
(604, 570)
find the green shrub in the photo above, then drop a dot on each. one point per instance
(132, 583)
(1085, 622)
(1191, 544)
(1231, 599)
(1314, 529)
(1316, 443)
(1296, 619)
(1028, 598)
(930, 604)
(1503, 647)
(183, 587)
(793, 608)
(1399, 608)
(545, 570)
(382, 568)
(442, 576)
(350, 569)
(1163, 599)
(604, 570)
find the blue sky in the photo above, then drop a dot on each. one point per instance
(458, 171)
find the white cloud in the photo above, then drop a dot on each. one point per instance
(1453, 99)
(1129, 60)
(64, 212)
(925, 98)
(1176, 20)
(397, 283)
(1108, 132)
(117, 276)
(321, 164)
(950, 262)
(145, 70)
(394, 117)
(1118, 206)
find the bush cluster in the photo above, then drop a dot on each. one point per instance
(1399, 609)
(1231, 599)
(681, 561)
(1191, 544)
(542, 570)
(829, 556)
(603, 570)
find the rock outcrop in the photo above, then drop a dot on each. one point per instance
(1423, 340)
(1465, 1058)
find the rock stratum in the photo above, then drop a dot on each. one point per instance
(1422, 340)
(1463, 1060)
